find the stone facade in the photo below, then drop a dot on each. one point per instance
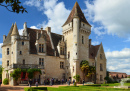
(58, 56)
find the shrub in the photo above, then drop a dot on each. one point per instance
(75, 84)
(6, 81)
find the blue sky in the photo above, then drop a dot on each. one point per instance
(109, 19)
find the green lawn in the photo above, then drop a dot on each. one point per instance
(81, 88)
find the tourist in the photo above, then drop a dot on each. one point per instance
(50, 82)
(73, 82)
(62, 81)
(83, 81)
(36, 83)
(44, 81)
(30, 83)
(0, 82)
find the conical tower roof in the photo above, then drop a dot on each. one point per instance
(8, 38)
(15, 30)
(76, 11)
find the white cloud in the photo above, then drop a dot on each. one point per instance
(33, 27)
(20, 31)
(119, 61)
(128, 40)
(95, 43)
(1, 48)
(112, 14)
(55, 11)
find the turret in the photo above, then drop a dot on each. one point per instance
(25, 33)
(15, 33)
(76, 23)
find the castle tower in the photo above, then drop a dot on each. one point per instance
(76, 31)
(14, 36)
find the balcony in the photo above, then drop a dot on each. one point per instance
(24, 66)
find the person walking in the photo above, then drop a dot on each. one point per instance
(36, 83)
(0, 82)
(73, 82)
(83, 81)
(30, 83)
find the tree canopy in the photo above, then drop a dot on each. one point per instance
(13, 6)
(86, 68)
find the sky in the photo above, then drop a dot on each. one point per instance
(110, 21)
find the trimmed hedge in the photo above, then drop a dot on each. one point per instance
(6, 81)
(35, 88)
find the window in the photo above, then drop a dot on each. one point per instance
(61, 50)
(20, 52)
(73, 68)
(7, 62)
(101, 78)
(41, 61)
(82, 39)
(83, 24)
(7, 51)
(41, 47)
(62, 65)
(100, 56)
(68, 54)
(22, 42)
(101, 67)
(23, 61)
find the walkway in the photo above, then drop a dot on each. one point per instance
(21, 88)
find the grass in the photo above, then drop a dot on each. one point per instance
(94, 87)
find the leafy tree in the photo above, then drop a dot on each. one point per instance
(77, 77)
(1, 70)
(87, 70)
(13, 6)
(16, 74)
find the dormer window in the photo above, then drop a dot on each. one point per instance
(41, 47)
(61, 50)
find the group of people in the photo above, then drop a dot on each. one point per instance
(30, 83)
(53, 81)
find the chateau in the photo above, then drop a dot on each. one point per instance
(58, 56)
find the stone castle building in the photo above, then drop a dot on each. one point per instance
(58, 56)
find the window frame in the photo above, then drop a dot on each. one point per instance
(7, 62)
(61, 65)
(7, 51)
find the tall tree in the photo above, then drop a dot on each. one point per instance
(13, 6)
(86, 68)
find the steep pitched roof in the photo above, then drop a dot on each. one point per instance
(76, 10)
(93, 51)
(15, 30)
(55, 39)
(8, 38)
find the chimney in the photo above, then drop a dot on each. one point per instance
(90, 42)
(48, 29)
(25, 25)
(37, 35)
(4, 37)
